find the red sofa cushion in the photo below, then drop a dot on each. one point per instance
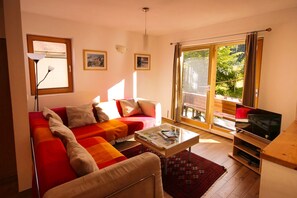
(52, 163)
(61, 111)
(137, 122)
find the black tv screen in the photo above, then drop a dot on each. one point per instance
(259, 122)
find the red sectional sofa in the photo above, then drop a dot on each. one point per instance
(52, 168)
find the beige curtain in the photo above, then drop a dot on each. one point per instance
(176, 85)
(248, 98)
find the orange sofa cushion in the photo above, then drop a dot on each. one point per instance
(103, 153)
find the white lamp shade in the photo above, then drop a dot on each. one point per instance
(50, 68)
(35, 56)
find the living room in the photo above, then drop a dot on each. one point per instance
(277, 92)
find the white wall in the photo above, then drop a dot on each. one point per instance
(277, 181)
(278, 90)
(13, 33)
(279, 71)
(89, 84)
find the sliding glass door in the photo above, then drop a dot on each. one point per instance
(196, 85)
(212, 84)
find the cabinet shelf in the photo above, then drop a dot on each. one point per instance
(247, 150)
(244, 162)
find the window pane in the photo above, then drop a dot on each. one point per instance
(195, 83)
(230, 72)
(229, 84)
(195, 71)
(56, 57)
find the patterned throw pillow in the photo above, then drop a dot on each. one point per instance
(80, 115)
(130, 107)
(80, 159)
(47, 113)
(107, 111)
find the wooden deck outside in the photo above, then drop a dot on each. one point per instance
(197, 103)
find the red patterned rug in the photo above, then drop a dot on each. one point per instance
(185, 178)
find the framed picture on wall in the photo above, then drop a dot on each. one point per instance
(142, 61)
(95, 60)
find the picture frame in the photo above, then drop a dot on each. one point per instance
(95, 59)
(142, 61)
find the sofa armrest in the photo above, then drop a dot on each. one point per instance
(152, 109)
(139, 176)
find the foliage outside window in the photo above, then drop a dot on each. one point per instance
(230, 71)
(229, 75)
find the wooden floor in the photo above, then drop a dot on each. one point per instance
(238, 181)
(9, 189)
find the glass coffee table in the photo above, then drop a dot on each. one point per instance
(167, 140)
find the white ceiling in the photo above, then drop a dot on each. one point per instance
(164, 17)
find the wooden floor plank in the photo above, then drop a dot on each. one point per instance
(246, 184)
(254, 190)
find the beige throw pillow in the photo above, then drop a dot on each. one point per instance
(80, 115)
(107, 111)
(130, 107)
(80, 159)
(62, 131)
(47, 113)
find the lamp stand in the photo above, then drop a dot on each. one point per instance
(36, 57)
(36, 104)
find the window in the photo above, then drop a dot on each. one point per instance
(57, 55)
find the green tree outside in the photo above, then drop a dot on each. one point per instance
(229, 75)
(230, 71)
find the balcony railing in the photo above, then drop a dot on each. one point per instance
(196, 103)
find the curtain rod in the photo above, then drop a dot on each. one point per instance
(265, 30)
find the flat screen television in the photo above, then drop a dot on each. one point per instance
(259, 122)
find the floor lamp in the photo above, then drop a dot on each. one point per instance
(36, 58)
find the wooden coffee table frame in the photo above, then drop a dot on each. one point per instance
(168, 152)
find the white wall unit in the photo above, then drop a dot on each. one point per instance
(279, 165)
(277, 181)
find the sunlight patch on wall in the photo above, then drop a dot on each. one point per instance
(117, 91)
